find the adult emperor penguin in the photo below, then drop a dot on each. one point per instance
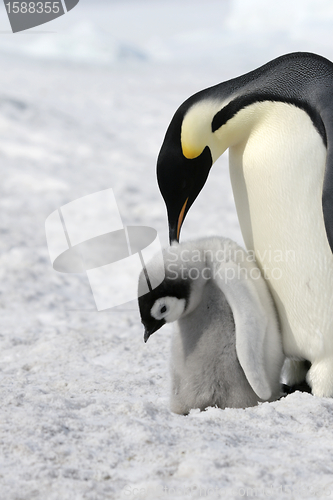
(277, 122)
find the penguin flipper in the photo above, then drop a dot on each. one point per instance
(251, 326)
(327, 196)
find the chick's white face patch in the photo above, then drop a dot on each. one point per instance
(168, 308)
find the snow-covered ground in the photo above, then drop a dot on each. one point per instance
(84, 402)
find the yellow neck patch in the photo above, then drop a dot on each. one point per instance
(196, 131)
(196, 128)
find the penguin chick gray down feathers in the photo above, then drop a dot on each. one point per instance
(226, 348)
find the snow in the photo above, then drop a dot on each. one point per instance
(84, 105)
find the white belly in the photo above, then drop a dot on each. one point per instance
(277, 176)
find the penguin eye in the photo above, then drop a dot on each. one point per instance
(168, 308)
(163, 310)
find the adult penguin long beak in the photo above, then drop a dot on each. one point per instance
(277, 122)
(180, 178)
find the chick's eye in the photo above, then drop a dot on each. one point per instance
(162, 308)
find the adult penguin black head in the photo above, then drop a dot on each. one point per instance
(180, 177)
(225, 115)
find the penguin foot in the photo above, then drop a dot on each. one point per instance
(320, 378)
(294, 373)
(302, 387)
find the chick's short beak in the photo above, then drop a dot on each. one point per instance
(147, 334)
(152, 328)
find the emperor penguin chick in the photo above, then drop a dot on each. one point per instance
(226, 348)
